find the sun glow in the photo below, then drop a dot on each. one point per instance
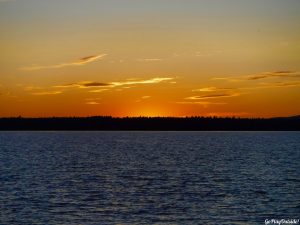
(149, 111)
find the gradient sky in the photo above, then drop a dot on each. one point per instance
(149, 58)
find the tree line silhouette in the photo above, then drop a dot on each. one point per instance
(151, 123)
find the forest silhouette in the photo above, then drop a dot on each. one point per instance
(152, 123)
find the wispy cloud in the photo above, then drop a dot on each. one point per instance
(273, 85)
(92, 99)
(150, 60)
(84, 84)
(143, 98)
(260, 76)
(95, 87)
(7, 93)
(98, 90)
(212, 89)
(145, 81)
(79, 62)
(204, 104)
(227, 114)
(201, 103)
(33, 88)
(233, 91)
(282, 74)
(98, 87)
(48, 93)
(278, 85)
(208, 53)
(93, 84)
(229, 79)
(212, 96)
(92, 103)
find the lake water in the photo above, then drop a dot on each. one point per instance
(148, 177)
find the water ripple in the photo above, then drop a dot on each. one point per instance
(148, 177)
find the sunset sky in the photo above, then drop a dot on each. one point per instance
(149, 58)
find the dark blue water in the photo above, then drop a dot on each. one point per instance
(148, 177)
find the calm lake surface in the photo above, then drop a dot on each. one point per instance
(149, 177)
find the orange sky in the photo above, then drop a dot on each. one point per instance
(149, 58)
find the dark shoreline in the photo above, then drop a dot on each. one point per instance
(106, 123)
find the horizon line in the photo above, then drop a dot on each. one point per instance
(149, 117)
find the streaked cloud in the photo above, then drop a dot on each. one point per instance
(279, 84)
(33, 88)
(227, 114)
(212, 96)
(7, 94)
(98, 87)
(98, 90)
(84, 84)
(217, 90)
(146, 81)
(260, 76)
(92, 99)
(79, 62)
(150, 60)
(93, 84)
(143, 98)
(92, 103)
(212, 89)
(95, 87)
(229, 79)
(273, 85)
(202, 103)
(282, 74)
(208, 53)
(48, 93)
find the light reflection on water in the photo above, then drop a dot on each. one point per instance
(148, 177)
